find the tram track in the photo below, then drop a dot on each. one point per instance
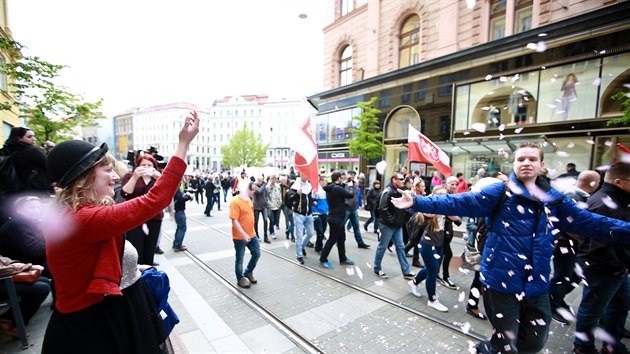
(291, 333)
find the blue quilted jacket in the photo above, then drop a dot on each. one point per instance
(516, 258)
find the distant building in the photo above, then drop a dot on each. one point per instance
(9, 118)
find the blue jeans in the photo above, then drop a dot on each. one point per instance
(372, 218)
(388, 233)
(225, 192)
(216, 198)
(523, 326)
(254, 248)
(288, 219)
(180, 220)
(431, 266)
(302, 222)
(605, 296)
(353, 216)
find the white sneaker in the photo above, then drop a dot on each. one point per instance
(437, 305)
(414, 289)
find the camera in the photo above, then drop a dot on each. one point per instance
(149, 171)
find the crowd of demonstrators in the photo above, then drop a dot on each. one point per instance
(336, 195)
(516, 263)
(261, 200)
(274, 204)
(320, 213)
(136, 184)
(604, 264)
(31, 295)
(243, 234)
(300, 200)
(432, 252)
(92, 313)
(391, 223)
(371, 205)
(564, 278)
(351, 205)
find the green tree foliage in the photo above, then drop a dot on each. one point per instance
(49, 110)
(625, 119)
(368, 139)
(245, 149)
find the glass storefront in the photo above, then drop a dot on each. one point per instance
(574, 91)
(335, 127)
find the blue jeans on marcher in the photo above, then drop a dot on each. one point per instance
(302, 223)
(431, 266)
(288, 218)
(180, 221)
(522, 327)
(254, 248)
(353, 216)
(274, 216)
(372, 218)
(389, 233)
(216, 198)
(605, 296)
(225, 192)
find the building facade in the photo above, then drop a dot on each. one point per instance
(480, 77)
(9, 118)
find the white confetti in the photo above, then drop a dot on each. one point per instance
(488, 77)
(381, 166)
(480, 127)
(603, 335)
(145, 229)
(378, 282)
(466, 327)
(350, 271)
(522, 256)
(499, 315)
(597, 81)
(511, 273)
(461, 296)
(475, 292)
(609, 202)
(287, 244)
(359, 272)
(518, 130)
(562, 154)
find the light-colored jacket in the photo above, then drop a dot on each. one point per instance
(275, 196)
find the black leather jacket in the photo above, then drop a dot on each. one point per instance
(388, 214)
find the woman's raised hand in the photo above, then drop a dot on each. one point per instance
(190, 128)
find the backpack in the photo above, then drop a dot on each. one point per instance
(471, 257)
(9, 181)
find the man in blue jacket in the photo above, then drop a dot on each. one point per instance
(515, 265)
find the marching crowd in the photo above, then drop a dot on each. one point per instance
(537, 239)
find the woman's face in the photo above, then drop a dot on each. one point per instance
(146, 164)
(104, 179)
(28, 138)
(420, 188)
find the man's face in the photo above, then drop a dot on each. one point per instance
(398, 180)
(527, 163)
(272, 180)
(351, 176)
(451, 186)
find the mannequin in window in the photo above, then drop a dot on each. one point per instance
(568, 94)
(494, 117)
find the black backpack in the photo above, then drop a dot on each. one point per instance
(9, 181)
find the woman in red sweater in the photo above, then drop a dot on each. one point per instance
(84, 252)
(136, 184)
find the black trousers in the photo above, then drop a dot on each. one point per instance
(144, 243)
(337, 236)
(319, 224)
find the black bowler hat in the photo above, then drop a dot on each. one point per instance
(70, 159)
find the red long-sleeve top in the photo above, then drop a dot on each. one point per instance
(85, 257)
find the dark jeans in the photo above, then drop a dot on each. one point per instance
(353, 216)
(288, 219)
(239, 247)
(521, 327)
(319, 223)
(605, 296)
(431, 256)
(563, 275)
(337, 235)
(274, 217)
(264, 217)
(474, 295)
(209, 206)
(199, 195)
(372, 218)
(31, 297)
(216, 198)
(180, 232)
(448, 255)
(145, 244)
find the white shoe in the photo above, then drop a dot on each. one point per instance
(437, 305)
(414, 289)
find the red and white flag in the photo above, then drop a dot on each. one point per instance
(421, 149)
(306, 154)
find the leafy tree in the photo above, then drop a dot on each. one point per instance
(50, 110)
(625, 119)
(244, 149)
(368, 141)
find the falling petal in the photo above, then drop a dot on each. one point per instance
(381, 166)
(562, 154)
(287, 244)
(480, 127)
(570, 145)
(350, 271)
(488, 77)
(520, 209)
(145, 229)
(518, 130)
(437, 256)
(597, 81)
(603, 335)
(531, 46)
(581, 336)
(499, 315)
(592, 142)
(501, 127)
(461, 296)
(543, 34)
(470, 3)
(379, 282)
(609, 202)
(466, 133)
(466, 327)
(541, 46)
(359, 272)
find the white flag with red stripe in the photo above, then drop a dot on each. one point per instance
(422, 149)
(305, 161)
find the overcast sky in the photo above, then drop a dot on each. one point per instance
(147, 52)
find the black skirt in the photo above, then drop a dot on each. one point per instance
(118, 324)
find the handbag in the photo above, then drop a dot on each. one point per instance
(471, 258)
(28, 276)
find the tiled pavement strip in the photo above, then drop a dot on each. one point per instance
(336, 318)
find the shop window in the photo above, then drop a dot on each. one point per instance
(421, 94)
(462, 98)
(322, 128)
(409, 46)
(398, 123)
(345, 66)
(446, 85)
(615, 78)
(569, 92)
(385, 98)
(406, 97)
(340, 123)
